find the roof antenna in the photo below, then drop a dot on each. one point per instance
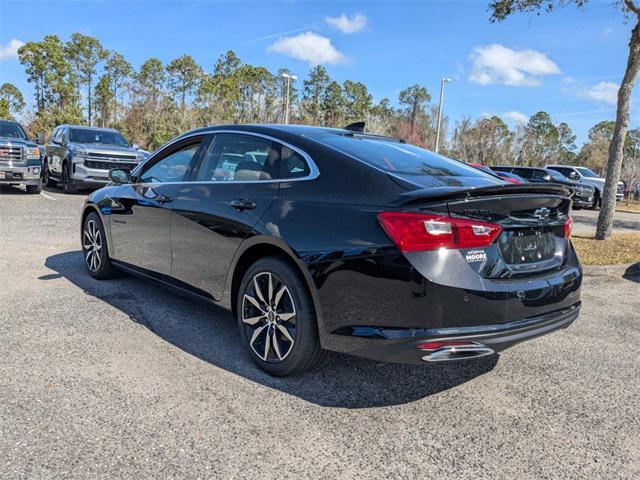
(355, 127)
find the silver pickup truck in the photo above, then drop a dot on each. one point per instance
(81, 157)
(20, 161)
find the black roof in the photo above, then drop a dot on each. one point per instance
(275, 128)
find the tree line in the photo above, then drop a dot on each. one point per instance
(81, 82)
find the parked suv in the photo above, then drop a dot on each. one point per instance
(586, 175)
(81, 157)
(20, 162)
(583, 193)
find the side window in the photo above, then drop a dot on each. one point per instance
(239, 157)
(293, 164)
(539, 175)
(171, 168)
(56, 134)
(524, 173)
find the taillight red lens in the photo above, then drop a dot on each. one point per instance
(413, 232)
(568, 226)
(437, 345)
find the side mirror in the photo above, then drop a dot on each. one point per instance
(40, 140)
(119, 176)
(574, 176)
(547, 178)
(135, 146)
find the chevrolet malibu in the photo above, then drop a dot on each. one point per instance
(323, 239)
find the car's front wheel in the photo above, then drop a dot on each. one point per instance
(67, 183)
(277, 319)
(47, 181)
(94, 248)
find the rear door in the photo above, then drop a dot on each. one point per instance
(140, 218)
(231, 189)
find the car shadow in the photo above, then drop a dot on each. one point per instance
(209, 333)
(632, 273)
(13, 190)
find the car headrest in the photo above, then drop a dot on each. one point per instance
(250, 171)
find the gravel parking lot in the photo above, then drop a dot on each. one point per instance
(123, 379)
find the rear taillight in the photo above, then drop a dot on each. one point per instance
(413, 232)
(568, 225)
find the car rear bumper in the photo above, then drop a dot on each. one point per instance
(402, 345)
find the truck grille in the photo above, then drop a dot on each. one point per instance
(114, 157)
(9, 153)
(107, 165)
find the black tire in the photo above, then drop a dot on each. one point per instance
(597, 201)
(289, 295)
(34, 188)
(46, 176)
(67, 183)
(94, 249)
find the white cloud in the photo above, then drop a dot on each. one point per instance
(606, 92)
(497, 64)
(516, 116)
(310, 47)
(10, 50)
(346, 24)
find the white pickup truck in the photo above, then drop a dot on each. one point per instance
(20, 158)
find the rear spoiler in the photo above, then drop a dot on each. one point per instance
(451, 193)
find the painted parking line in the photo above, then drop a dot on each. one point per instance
(48, 196)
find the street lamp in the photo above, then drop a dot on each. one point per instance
(286, 111)
(442, 82)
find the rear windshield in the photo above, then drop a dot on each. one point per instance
(400, 158)
(105, 137)
(12, 130)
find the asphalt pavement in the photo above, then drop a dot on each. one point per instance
(123, 379)
(586, 221)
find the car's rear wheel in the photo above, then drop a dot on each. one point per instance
(277, 319)
(94, 248)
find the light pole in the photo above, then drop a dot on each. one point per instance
(286, 111)
(442, 82)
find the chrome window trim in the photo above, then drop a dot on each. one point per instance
(314, 172)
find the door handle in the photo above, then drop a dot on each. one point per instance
(242, 204)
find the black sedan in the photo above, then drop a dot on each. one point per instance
(325, 239)
(582, 193)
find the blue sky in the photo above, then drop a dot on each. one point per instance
(567, 63)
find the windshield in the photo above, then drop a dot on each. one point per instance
(400, 158)
(105, 137)
(12, 130)
(586, 172)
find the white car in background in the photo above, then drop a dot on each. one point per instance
(586, 175)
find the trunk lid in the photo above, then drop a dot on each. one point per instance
(532, 217)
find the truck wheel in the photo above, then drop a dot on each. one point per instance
(67, 186)
(596, 201)
(46, 177)
(34, 189)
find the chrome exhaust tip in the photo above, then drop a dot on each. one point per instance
(452, 351)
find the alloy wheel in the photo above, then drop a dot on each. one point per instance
(269, 317)
(92, 242)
